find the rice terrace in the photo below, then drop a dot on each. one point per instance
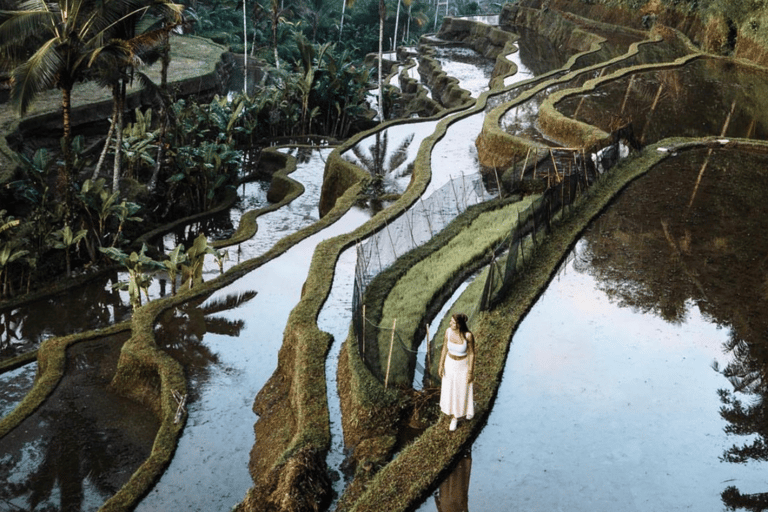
(233, 237)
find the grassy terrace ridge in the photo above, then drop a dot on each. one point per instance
(141, 360)
(295, 439)
(191, 57)
(369, 412)
(400, 484)
(409, 297)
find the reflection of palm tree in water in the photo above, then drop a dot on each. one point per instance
(81, 458)
(78, 442)
(376, 164)
(453, 494)
(746, 372)
(181, 330)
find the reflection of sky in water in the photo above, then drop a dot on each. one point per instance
(273, 226)
(473, 74)
(455, 154)
(14, 385)
(523, 73)
(601, 405)
(219, 433)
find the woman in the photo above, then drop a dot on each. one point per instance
(457, 368)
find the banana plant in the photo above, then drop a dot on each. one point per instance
(65, 238)
(174, 263)
(192, 269)
(141, 269)
(9, 252)
(138, 144)
(100, 212)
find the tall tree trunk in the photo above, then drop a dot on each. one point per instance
(397, 21)
(111, 132)
(65, 177)
(382, 13)
(118, 137)
(166, 60)
(245, 51)
(275, 21)
(407, 34)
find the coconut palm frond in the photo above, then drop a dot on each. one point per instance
(38, 74)
(400, 156)
(231, 301)
(224, 326)
(22, 25)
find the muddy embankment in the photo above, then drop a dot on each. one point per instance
(734, 29)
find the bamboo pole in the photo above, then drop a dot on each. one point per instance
(626, 94)
(650, 112)
(456, 196)
(426, 215)
(464, 190)
(391, 241)
(389, 359)
(364, 320)
(709, 155)
(428, 359)
(410, 226)
(498, 182)
(554, 164)
(525, 164)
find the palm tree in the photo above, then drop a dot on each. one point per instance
(69, 34)
(382, 15)
(115, 64)
(308, 58)
(277, 15)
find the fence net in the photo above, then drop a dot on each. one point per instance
(401, 363)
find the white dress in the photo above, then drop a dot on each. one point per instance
(456, 396)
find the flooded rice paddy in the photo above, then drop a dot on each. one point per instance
(625, 383)
(629, 385)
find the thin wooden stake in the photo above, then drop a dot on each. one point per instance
(709, 155)
(391, 241)
(389, 359)
(552, 156)
(364, 320)
(626, 94)
(498, 182)
(428, 359)
(650, 113)
(525, 164)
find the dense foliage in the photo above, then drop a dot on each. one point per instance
(178, 157)
(272, 26)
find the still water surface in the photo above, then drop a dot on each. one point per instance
(615, 386)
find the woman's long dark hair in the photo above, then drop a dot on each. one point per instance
(461, 321)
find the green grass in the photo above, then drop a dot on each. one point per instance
(411, 296)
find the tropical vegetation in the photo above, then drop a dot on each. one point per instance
(174, 157)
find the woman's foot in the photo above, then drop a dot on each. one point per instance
(470, 416)
(454, 423)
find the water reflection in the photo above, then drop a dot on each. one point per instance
(453, 494)
(91, 306)
(472, 70)
(663, 249)
(180, 331)
(609, 399)
(82, 445)
(668, 103)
